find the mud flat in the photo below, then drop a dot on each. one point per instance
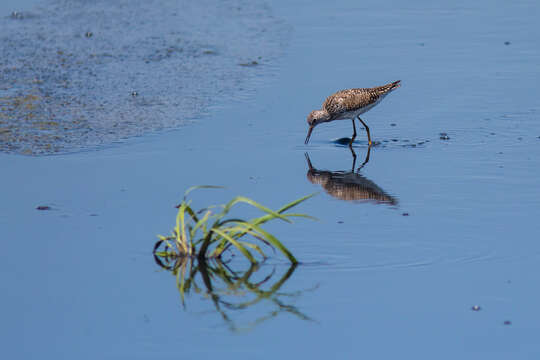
(78, 75)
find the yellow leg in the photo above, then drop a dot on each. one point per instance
(367, 130)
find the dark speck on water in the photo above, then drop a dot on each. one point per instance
(507, 322)
(18, 15)
(251, 63)
(444, 136)
(476, 308)
(43, 207)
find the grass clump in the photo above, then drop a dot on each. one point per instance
(208, 233)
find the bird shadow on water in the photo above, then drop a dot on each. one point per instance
(349, 185)
(233, 292)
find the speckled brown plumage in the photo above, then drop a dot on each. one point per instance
(345, 101)
(349, 104)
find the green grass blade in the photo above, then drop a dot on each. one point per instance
(254, 247)
(238, 231)
(177, 227)
(301, 215)
(191, 213)
(295, 202)
(274, 241)
(243, 199)
(266, 218)
(181, 227)
(199, 223)
(239, 246)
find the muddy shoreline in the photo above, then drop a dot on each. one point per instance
(80, 75)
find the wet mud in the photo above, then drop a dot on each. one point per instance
(76, 74)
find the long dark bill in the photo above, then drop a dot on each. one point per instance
(309, 134)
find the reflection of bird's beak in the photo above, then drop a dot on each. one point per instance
(309, 134)
(308, 161)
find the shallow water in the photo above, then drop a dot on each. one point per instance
(373, 281)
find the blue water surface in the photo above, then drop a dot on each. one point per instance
(376, 280)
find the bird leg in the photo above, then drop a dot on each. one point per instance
(366, 160)
(354, 158)
(367, 130)
(353, 135)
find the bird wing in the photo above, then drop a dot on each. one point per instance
(350, 100)
(353, 99)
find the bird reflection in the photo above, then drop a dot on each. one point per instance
(349, 185)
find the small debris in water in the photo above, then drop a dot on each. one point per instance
(43, 207)
(507, 43)
(17, 15)
(421, 44)
(507, 322)
(476, 308)
(395, 140)
(405, 214)
(88, 34)
(94, 215)
(393, 124)
(134, 93)
(340, 222)
(444, 136)
(251, 63)
(520, 138)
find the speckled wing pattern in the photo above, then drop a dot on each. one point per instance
(353, 99)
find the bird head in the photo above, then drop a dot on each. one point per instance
(315, 118)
